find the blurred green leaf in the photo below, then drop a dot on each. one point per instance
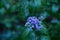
(45, 37)
(25, 33)
(2, 11)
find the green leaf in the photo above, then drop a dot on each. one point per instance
(25, 33)
(2, 11)
(12, 8)
(44, 37)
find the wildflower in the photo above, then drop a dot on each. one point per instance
(33, 23)
(33, 20)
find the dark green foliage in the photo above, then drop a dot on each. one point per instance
(14, 14)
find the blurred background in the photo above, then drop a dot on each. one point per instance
(14, 15)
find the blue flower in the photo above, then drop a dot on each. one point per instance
(33, 22)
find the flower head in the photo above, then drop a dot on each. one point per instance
(33, 22)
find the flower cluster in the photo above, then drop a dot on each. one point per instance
(33, 22)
